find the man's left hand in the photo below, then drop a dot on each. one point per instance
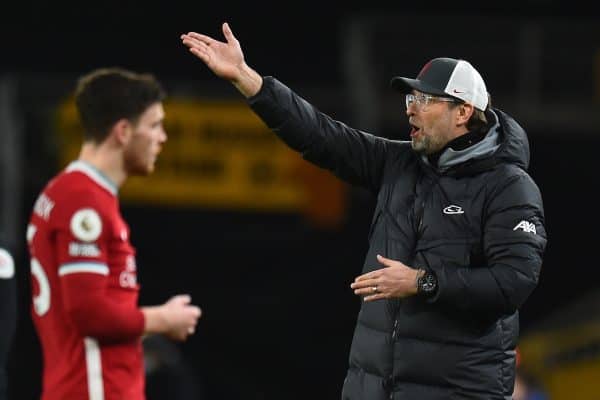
(395, 280)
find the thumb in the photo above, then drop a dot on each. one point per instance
(182, 298)
(197, 311)
(385, 261)
(228, 33)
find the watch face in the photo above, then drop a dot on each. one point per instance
(427, 283)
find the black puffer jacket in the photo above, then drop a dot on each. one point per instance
(476, 220)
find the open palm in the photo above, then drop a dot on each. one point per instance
(223, 58)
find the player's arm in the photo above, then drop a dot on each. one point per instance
(82, 240)
(95, 314)
(91, 310)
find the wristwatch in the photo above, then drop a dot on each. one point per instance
(426, 283)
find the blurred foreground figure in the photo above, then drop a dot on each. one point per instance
(8, 315)
(457, 238)
(83, 265)
(168, 376)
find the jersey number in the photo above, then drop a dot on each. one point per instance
(41, 302)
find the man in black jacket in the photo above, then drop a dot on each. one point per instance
(457, 237)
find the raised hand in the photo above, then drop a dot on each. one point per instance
(225, 59)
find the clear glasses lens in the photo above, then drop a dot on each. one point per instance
(421, 100)
(411, 99)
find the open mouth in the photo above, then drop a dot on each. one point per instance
(414, 131)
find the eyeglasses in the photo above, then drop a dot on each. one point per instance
(422, 100)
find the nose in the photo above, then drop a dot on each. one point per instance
(163, 136)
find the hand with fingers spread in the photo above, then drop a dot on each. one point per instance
(225, 59)
(395, 280)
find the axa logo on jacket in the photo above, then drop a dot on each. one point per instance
(526, 226)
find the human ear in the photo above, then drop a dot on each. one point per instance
(121, 130)
(465, 111)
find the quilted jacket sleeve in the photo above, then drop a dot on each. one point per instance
(514, 242)
(352, 155)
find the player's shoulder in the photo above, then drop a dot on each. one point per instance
(77, 187)
(80, 180)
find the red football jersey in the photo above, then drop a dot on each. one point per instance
(85, 290)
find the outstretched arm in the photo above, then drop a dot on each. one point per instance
(352, 155)
(225, 59)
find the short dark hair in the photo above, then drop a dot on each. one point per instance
(105, 95)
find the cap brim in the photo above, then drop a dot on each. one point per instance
(407, 85)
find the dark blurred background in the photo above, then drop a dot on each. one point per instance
(273, 279)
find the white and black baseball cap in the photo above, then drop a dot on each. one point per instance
(447, 77)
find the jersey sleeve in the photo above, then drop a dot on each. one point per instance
(83, 237)
(82, 225)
